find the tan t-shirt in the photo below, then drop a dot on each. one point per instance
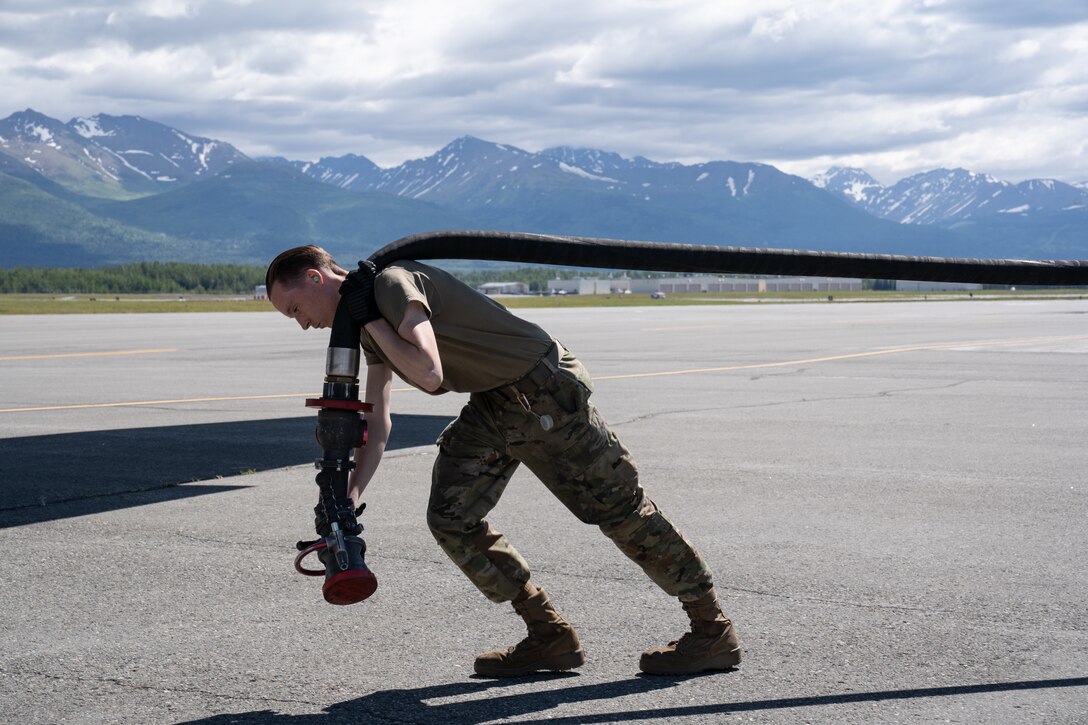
(482, 344)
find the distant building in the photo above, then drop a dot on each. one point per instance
(700, 283)
(914, 286)
(707, 283)
(504, 288)
(595, 286)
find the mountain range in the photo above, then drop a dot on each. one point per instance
(108, 189)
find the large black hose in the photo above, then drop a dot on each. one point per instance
(658, 257)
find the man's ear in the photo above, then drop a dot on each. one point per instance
(314, 276)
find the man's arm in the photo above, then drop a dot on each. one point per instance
(379, 383)
(412, 347)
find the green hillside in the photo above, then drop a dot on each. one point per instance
(37, 228)
(246, 215)
(256, 210)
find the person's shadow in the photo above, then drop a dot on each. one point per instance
(474, 701)
(478, 700)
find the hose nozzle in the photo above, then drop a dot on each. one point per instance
(347, 578)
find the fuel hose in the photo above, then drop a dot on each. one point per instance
(707, 259)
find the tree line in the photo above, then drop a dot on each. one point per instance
(139, 277)
(180, 277)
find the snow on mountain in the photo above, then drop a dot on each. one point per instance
(57, 152)
(466, 167)
(855, 185)
(352, 172)
(943, 194)
(471, 172)
(31, 128)
(159, 153)
(88, 127)
(949, 195)
(563, 166)
(639, 175)
(1052, 195)
(112, 156)
(596, 162)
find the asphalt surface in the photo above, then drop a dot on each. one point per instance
(893, 497)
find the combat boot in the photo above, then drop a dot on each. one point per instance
(711, 644)
(552, 643)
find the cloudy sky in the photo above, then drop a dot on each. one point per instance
(892, 86)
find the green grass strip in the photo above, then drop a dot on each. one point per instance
(44, 304)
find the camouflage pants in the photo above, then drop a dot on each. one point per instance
(580, 461)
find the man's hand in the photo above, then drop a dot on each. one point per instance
(379, 383)
(358, 292)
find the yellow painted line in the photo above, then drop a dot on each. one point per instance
(157, 402)
(849, 356)
(90, 354)
(692, 371)
(685, 328)
(171, 402)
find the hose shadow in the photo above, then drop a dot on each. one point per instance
(417, 705)
(473, 701)
(49, 477)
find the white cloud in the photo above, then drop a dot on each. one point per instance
(167, 8)
(1024, 50)
(775, 27)
(896, 87)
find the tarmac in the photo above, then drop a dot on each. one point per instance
(892, 496)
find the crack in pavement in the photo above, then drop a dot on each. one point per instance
(759, 592)
(777, 403)
(634, 576)
(844, 602)
(107, 494)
